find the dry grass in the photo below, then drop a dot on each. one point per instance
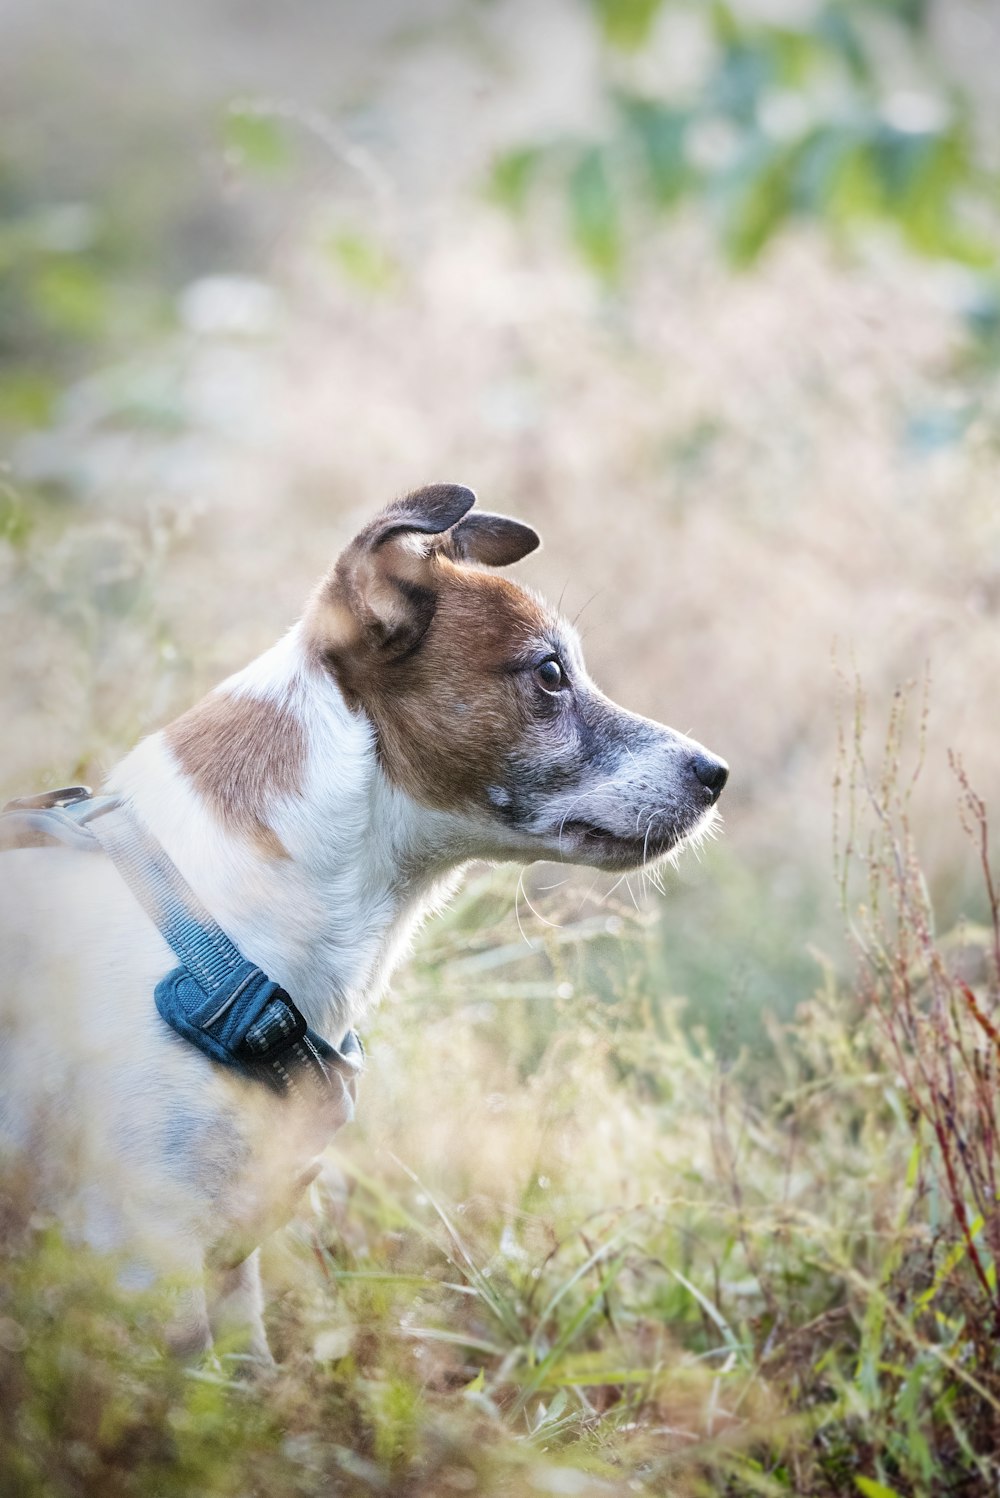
(567, 1249)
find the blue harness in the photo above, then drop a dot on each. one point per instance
(224, 1005)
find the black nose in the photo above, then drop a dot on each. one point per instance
(713, 773)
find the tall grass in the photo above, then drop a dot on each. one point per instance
(570, 1250)
(935, 1002)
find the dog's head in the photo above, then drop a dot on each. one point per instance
(481, 702)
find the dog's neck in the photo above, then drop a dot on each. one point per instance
(270, 799)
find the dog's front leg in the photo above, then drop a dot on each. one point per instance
(236, 1309)
(188, 1333)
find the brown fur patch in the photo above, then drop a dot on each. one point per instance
(447, 714)
(240, 752)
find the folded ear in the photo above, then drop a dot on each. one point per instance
(380, 591)
(428, 512)
(493, 540)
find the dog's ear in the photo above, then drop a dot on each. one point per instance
(493, 540)
(380, 595)
(425, 512)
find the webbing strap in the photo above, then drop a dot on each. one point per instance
(168, 900)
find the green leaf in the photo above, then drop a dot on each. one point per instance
(602, 1251)
(836, 29)
(749, 67)
(69, 297)
(659, 132)
(821, 159)
(27, 398)
(872, 1489)
(913, 1165)
(364, 262)
(257, 139)
(912, 13)
(903, 161)
(512, 176)
(725, 27)
(712, 1311)
(15, 521)
(569, 1333)
(594, 216)
(627, 23)
(956, 1253)
(853, 191)
(762, 200)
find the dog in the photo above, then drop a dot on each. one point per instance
(424, 712)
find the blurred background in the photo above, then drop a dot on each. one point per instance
(709, 292)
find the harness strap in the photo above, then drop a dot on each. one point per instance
(220, 1002)
(168, 899)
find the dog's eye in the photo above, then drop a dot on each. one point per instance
(549, 675)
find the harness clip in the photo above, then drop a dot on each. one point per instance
(67, 795)
(278, 1026)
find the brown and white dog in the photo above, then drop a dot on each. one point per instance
(422, 713)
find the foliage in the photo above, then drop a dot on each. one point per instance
(790, 120)
(651, 1271)
(74, 279)
(936, 1004)
(578, 1242)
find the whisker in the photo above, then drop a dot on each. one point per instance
(654, 873)
(556, 925)
(610, 892)
(590, 791)
(517, 914)
(590, 600)
(586, 897)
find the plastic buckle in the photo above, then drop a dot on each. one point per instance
(278, 1026)
(67, 795)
